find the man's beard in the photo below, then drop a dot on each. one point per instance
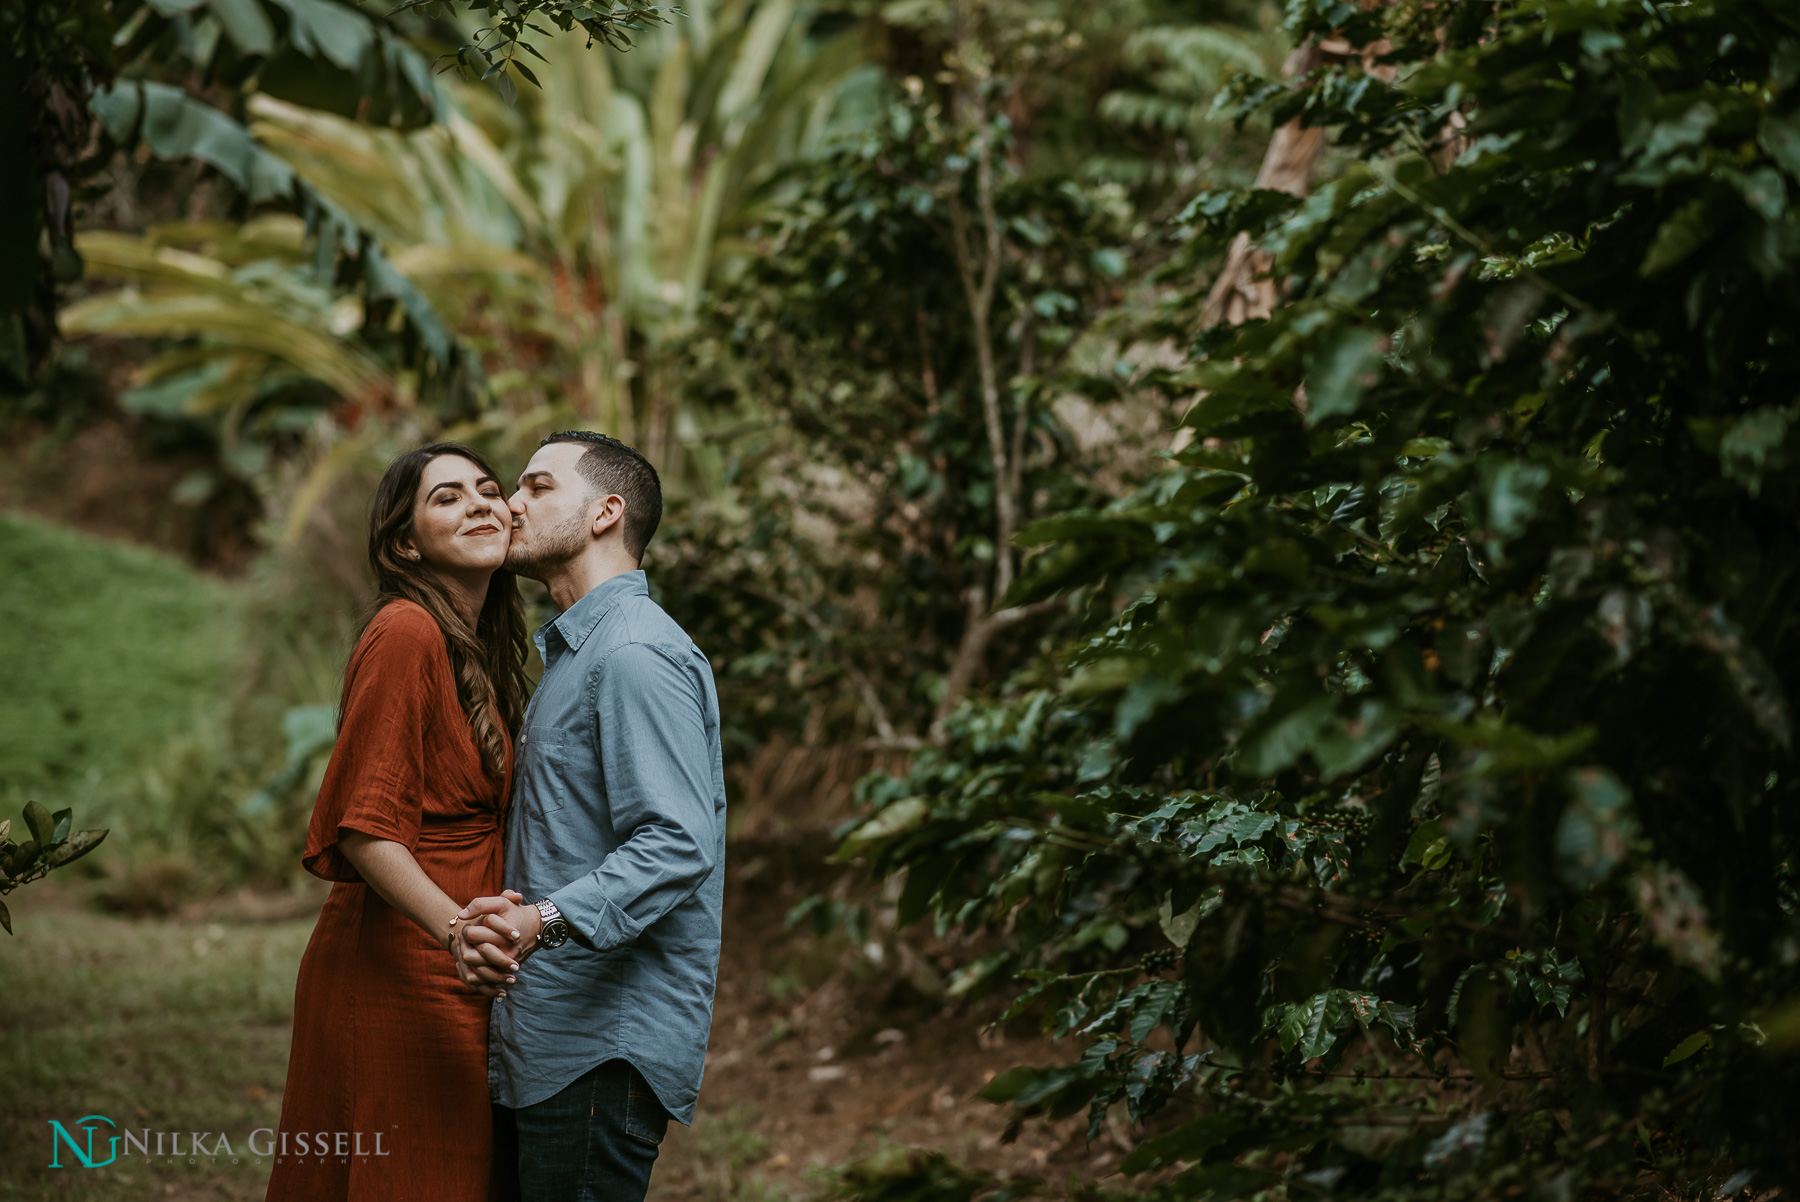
(549, 550)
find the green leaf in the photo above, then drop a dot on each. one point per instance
(1594, 834)
(1247, 828)
(1680, 235)
(1009, 1084)
(1428, 848)
(896, 818)
(309, 729)
(245, 24)
(1154, 1005)
(1339, 367)
(1762, 189)
(1692, 1045)
(41, 822)
(5, 918)
(1278, 743)
(1779, 134)
(175, 126)
(23, 857)
(1753, 446)
(1513, 489)
(1293, 1026)
(1143, 697)
(922, 882)
(63, 820)
(1178, 929)
(1319, 1033)
(1689, 129)
(79, 844)
(335, 32)
(1222, 1182)
(1346, 744)
(1188, 1142)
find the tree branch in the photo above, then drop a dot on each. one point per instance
(972, 651)
(979, 292)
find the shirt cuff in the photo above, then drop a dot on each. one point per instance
(593, 918)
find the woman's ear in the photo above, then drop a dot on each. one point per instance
(403, 547)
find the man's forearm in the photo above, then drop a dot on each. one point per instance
(652, 872)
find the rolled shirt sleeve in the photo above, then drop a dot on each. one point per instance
(656, 761)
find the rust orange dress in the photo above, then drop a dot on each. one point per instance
(387, 1094)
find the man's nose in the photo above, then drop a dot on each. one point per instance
(516, 503)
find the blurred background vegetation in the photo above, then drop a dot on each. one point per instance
(286, 245)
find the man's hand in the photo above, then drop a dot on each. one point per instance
(498, 933)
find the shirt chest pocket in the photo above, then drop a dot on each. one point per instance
(545, 769)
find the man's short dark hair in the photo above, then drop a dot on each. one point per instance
(609, 466)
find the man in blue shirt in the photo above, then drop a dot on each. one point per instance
(604, 951)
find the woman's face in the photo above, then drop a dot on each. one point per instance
(460, 521)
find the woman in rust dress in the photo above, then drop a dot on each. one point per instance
(387, 1085)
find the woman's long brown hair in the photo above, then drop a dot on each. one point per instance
(489, 661)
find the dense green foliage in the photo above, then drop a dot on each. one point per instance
(1445, 734)
(60, 61)
(926, 302)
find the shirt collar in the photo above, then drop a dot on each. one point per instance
(575, 623)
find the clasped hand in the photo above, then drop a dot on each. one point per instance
(495, 935)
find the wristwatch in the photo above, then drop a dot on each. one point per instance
(555, 929)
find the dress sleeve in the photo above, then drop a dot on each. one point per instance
(375, 780)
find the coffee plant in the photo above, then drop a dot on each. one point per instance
(1433, 703)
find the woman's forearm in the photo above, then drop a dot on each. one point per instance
(392, 872)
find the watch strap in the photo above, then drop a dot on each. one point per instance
(553, 930)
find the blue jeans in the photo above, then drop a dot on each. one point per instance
(594, 1141)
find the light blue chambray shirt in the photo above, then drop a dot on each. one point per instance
(618, 816)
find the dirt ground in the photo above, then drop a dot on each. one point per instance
(820, 1057)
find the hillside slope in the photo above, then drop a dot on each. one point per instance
(104, 648)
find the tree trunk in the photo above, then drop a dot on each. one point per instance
(1244, 292)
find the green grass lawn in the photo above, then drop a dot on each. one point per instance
(168, 1025)
(155, 1024)
(104, 650)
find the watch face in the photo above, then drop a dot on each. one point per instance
(554, 934)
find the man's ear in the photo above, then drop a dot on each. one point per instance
(608, 514)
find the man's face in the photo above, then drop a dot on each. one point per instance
(553, 512)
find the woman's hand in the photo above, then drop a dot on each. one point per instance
(494, 935)
(484, 966)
